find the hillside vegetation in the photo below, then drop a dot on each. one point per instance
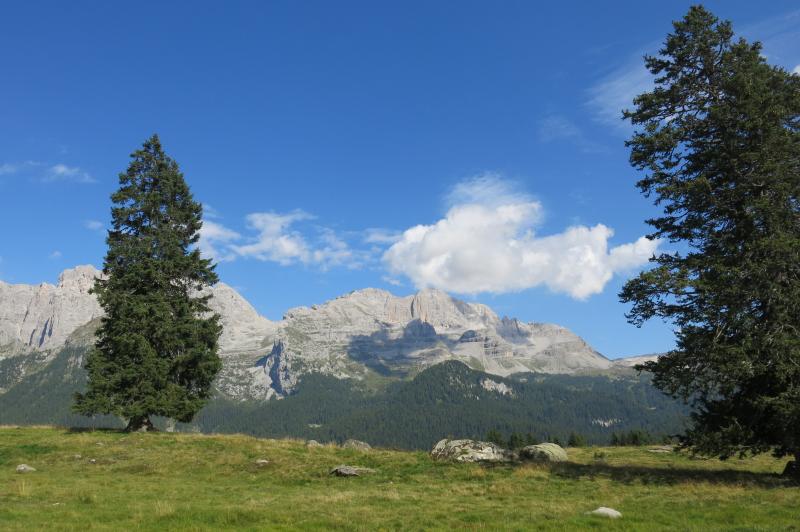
(112, 480)
(445, 400)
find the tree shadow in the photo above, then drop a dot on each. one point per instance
(81, 430)
(630, 474)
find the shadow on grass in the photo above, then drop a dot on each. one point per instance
(629, 474)
(81, 430)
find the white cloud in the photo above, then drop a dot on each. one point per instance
(94, 225)
(492, 247)
(62, 172)
(54, 255)
(210, 212)
(376, 235)
(214, 235)
(616, 92)
(47, 173)
(488, 188)
(275, 241)
(278, 242)
(7, 168)
(796, 70)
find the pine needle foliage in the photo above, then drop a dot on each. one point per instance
(156, 350)
(719, 141)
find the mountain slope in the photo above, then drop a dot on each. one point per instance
(365, 335)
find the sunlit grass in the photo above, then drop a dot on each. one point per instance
(200, 482)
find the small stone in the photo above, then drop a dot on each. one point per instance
(606, 512)
(76, 457)
(25, 468)
(92, 461)
(261, 462)
(357, 445)
(350, 471)
(100, 444)
(313, 443)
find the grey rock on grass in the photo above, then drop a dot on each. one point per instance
(606, 512)
(470, 451)
(544, 452)
(350, 471)
(357, 445)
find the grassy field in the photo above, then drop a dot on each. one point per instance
(195, 482)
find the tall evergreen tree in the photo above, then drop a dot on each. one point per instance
(156, 349)
(719, 140)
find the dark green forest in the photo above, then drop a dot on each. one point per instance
(446, 400)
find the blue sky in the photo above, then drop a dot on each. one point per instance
(472, 146)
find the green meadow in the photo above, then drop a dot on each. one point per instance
(105, 480)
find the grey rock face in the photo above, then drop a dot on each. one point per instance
(544, 452)
(365, 332)
(470, 451)
(42, 317)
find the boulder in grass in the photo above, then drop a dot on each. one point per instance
(313, 443)
(544, 452)
(606, 512)
(470, 451)
(25, 468)
(357, 445)
(350, 471)
(261, 462)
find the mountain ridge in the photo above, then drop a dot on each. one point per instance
(365, 333)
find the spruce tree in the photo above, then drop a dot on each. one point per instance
(156, 348)
(719, 141)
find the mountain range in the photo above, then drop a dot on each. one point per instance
(364, 335)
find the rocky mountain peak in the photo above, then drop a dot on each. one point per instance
(364, 332)
(80, 278)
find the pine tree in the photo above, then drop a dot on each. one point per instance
(719, 140)
(516, 441)
(156, 348)
(576, 440)
(494, 436)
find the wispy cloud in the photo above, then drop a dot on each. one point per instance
(215, 241)
(47, 173)
(375, 235)
(279, 241)
(8, 168)
(779, 35)
(94, 225)
(54, 255)
(555, 128)
(282, 238)
(616, 91)
(62, 172)
(210, 212)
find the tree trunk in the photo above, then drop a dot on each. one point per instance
(140, 424)
(792, 469)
